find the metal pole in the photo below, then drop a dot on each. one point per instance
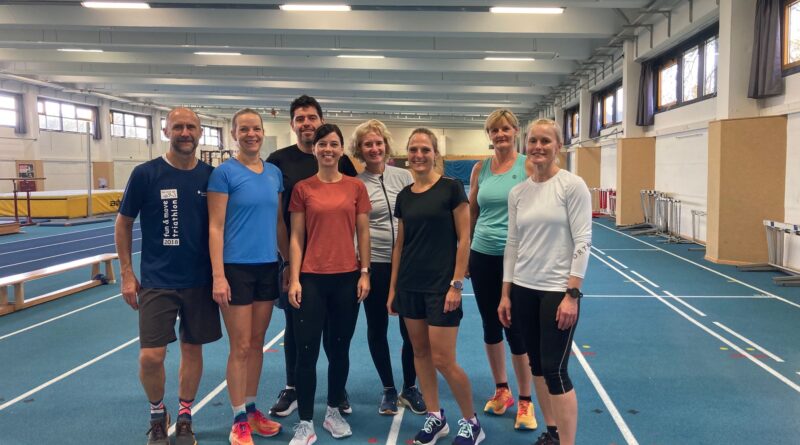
(90, 178)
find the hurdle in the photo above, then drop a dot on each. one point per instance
(779, 236)
(648, 227)
(603, 202)
(696, 215)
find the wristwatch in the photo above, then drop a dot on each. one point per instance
(575, 293)
(366, 270)
(457, 284)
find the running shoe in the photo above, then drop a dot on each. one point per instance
(240, 434)
(262, 426)
(546, 439)
(388, 402)
(157, 434)
(526, 420)
(183, 433)
(412, 399)
(432, 430)
(469, 433)
(345, 407)
(335, 424)
(286, 403)
(500, 402)
(304, 433)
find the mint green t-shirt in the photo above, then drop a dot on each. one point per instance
(491, 229)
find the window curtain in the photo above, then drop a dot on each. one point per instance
(567, 127)
(98, 134)
(595, 124)
(646, 106)
(765, 67)
(21, 127)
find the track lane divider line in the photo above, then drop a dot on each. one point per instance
(394, 431)
(57, 235)
(58, 244)
(749, 342)
(62, 254)
(645, 279)
(616, 261)
(694, 309)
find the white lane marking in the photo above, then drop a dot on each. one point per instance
(724, 340)
(61, 254)
(210, 396)
(56, 235)
(636, 250)
(57, 317)
(721, 297)
(58, 244)
(679, 300)
(394, 431)
(645, 279)
(595, 248)
(616, 261)
(749, 342)
(733, 280)
(612, 409)
(67, 374)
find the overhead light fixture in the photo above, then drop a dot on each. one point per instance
(522, 10)
(80, 50)
(510, 59)
(358, 56)
(116, 5)
(216, 53)
(317, 8)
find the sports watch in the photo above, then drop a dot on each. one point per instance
(575, 293)
(457, 284)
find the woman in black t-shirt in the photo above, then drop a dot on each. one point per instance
(428, 265)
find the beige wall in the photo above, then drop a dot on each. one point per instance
(636, 159)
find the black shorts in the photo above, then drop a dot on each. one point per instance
(252, 282)
(159, 308)
(428, 306)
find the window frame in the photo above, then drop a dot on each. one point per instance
(207, 133)
(78, 106)
(14, 109)
(604, 94)
(148, 127)
(675, 56)
(571, 123)
(787, 68)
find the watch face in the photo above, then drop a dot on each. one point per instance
(458, 285)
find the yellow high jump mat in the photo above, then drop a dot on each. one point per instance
(61, 203)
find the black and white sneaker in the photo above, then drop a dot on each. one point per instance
(286, 403)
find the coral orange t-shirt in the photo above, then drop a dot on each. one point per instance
(330, 214)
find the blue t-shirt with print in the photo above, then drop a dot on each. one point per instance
(251, 216)
(173, 214)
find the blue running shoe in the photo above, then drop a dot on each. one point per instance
(469, 433)
(433, 429)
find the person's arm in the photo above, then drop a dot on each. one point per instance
(296, 246)
(509, 262)
(283, 243)
(474, 209)
(397, 252)
(123, 238)
(461, 218)
(217, 208)
(362, 234)
(579, 213)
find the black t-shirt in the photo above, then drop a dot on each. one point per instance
(429, 235)
(296, 165)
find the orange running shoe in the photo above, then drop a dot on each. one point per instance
(526, 420)
(262, 426)
(500, 402)
(240, 434)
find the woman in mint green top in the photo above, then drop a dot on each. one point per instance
(491, 181)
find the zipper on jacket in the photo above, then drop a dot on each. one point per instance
(389, 206)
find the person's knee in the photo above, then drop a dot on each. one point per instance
(515, 342)
(152, 359)
(492, 333)
(558, 381)
(241, 349)
(422, 351)
(444, 362)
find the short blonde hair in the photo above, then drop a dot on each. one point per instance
(550, 122)
(365, 128)
(501, 114)
(426, 132)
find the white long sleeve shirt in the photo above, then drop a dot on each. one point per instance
(549, 232)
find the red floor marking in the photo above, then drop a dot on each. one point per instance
(372, 440)
(271, 350)
(409, 441)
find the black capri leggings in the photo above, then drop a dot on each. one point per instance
(486, 272)
(377, 325)
(330, 297)
(548, 347)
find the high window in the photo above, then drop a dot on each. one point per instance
(571, 124)
(65, 116)
(8, 110)
(689, 73)
(791, 35)
(211, 136)
(127, 125)
(610, 106)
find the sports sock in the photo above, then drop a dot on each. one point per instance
(250, 404)
(501, 385)
(239, 414)
(185, 411)
(553, 431)
(157, 410)
(526, 398)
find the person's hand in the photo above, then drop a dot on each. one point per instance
(363, 287)
(285, 279)
(221, 292)
(295, 294)
(567, 313)
(130, 289)
(452, 300)
(504, 311)
(390, 303)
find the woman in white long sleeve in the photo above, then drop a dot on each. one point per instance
(545, 260)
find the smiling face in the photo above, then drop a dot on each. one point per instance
(373, 149)
(305, 121)
(248, 132)
(502, 134)
(542, 146)
(328, 150)
(421, 154)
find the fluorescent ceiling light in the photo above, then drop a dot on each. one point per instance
(520, 10)
(116, 5)
(323, 8)
(357, 56)
(510, 59)
(216, 53)
(80, 50)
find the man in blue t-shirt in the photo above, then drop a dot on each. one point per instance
(169, 195)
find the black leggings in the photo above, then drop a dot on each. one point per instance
(486, 272)
(331, 298)
(548, 347)
(377, 325)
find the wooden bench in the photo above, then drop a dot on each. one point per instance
(18, 282)
(8, 228)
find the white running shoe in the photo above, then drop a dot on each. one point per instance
(335, 423)
(304, 433)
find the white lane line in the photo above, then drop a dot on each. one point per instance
(679, 300)
(721, 297)
(61, 254)
(58, 244)
(636, 250)
(733, 280)
(67, 374)
(56, 235)
(3, 337)
(749, 342)
(724, 340)
(616, 261)
(394, 431)
(645, 279)
(595, 248)
(612, 409)
(210, 396)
